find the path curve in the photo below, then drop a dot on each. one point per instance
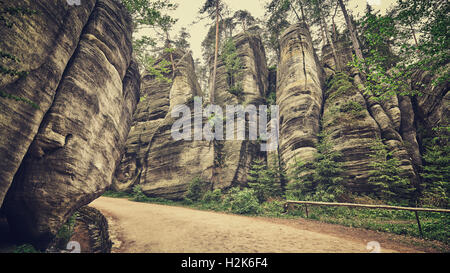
(152, 228)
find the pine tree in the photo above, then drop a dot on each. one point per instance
(266, 180)
(386, 177)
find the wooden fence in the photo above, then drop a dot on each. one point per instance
(416, 210)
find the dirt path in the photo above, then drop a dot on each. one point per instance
(143, 227)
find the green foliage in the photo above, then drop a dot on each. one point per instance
(352, 107)
(265, 180)
(436, 169)
(320, 180)
(277, 13)
(25, 248)
(386, 177)
(412, 36)
(138, 195)
(214, 196)
(182, 39)
(149, 14)
(272, 208)
(233, 67)
(427, 21)
(196, 190)
(241, 201)
(435, 226)
(339, 85)
(115, 194)
(66, 231)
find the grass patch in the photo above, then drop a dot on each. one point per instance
(117, 194)
(435, 226)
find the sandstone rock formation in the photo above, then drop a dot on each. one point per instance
(236, 156)
(354, 122)
(162, 166)
(63, 155)
(351, 130)
(299, 95)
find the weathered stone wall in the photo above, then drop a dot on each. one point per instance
(162, 166)
(354, 121)
(96, 225)
(299, 95)
(236, 156)
(63, 155)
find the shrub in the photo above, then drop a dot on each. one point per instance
(196, 189)
(66, 231)
(352, 107)
(320, 180)
(212, 196)
(266, 180)
(242, 201)
(339, 85)
(233, 66)
(385, 176)
(138, 194)
(26, 248)
(272, 208)
(436, 170)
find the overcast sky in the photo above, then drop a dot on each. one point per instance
(187, 12)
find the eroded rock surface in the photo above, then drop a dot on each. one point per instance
(153, 159)
(86, 85)
(299, 96)
(234, 157)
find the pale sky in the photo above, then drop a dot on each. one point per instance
(187, 12)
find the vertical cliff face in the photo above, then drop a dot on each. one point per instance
(236, 156)
(299, 95)
(46, 60)
(354, 121)
(351, 130)
(163, 166)
(153, 159)
(86, 85)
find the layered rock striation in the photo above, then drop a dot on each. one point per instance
(299, 96)
(61, 156)
(153, 159)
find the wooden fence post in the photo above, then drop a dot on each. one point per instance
(418, 223)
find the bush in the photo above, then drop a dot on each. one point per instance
(320, 180)
(436, 170)
(385, 177)
(212, 196)
(66, 231)
(242, 201)
(352, 107)
(266, 180)
(26, 248)
(138, 194)
(272, 208)
(196, 190)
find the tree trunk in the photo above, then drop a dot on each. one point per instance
(169, 46)
(296, 14)
(414, 35)
(352, 31)
(213, 80)
(327, 37)
(334, 24)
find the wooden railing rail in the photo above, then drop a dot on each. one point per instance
(416, 210)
